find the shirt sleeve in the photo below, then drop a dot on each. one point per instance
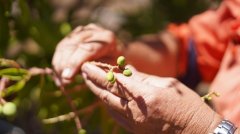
(211, 31)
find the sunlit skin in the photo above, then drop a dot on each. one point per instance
(95, 43)
(227, 85)
(143, 102)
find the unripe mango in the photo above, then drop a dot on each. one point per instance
(110, 76)
(9, 109)
(127, 72)
(121, 61)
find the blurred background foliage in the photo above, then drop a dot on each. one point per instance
(31, 29)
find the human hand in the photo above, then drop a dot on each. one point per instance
(145, 104)
(84, 43)
(227, 84)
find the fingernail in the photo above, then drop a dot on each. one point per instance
(67, 73)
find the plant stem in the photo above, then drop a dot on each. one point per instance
(209, 96)
(71, 115)
(70, 102)
(104, 65)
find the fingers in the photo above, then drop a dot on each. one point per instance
(83, 44)
(104, 36)
(96, 74)
(107, 97)
(152, 80)
(127, 87)
(92, 26)
(98, 77)
(133, 88)
(56, 61)
(77, 29)
(100, 34)
(75, 61)
(124, 87)
(67, 47)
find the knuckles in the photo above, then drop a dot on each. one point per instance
(172, 81)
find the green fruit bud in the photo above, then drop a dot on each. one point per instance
(121, 61)
(110, 76)
(127, 72)
(9, 109)
(82, 131)
(113, 81)
(209, 98)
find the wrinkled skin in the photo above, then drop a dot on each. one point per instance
(84, 43)
(227, 84)
(143, 104)
(146, 104)
(91, 42)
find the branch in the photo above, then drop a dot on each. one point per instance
(72, 105)
(210, 95)
(70, 115)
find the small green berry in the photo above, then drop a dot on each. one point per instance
(110, 76)
(127, 72)
(65, 28)
(82, 131)
(113, 81)
(9, 109)
(121, 61)
(209, 98)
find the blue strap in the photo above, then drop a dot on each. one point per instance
(192, 76)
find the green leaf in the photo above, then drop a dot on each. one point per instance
(8, 63)
(15, 74)
(14, 88)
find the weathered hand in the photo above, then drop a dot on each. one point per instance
(146, 104)
(227, 84)
(84, 43)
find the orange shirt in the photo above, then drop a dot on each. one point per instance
(211, 31)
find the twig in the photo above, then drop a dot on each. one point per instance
(37, 71)
(3, 85)
(69, 91)
(104, 65)
(2, 101)
(9, 63)
(115, 129)
(72, 105)
(70, 115)
(49, 71)
(76, 88)
(210, 95)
